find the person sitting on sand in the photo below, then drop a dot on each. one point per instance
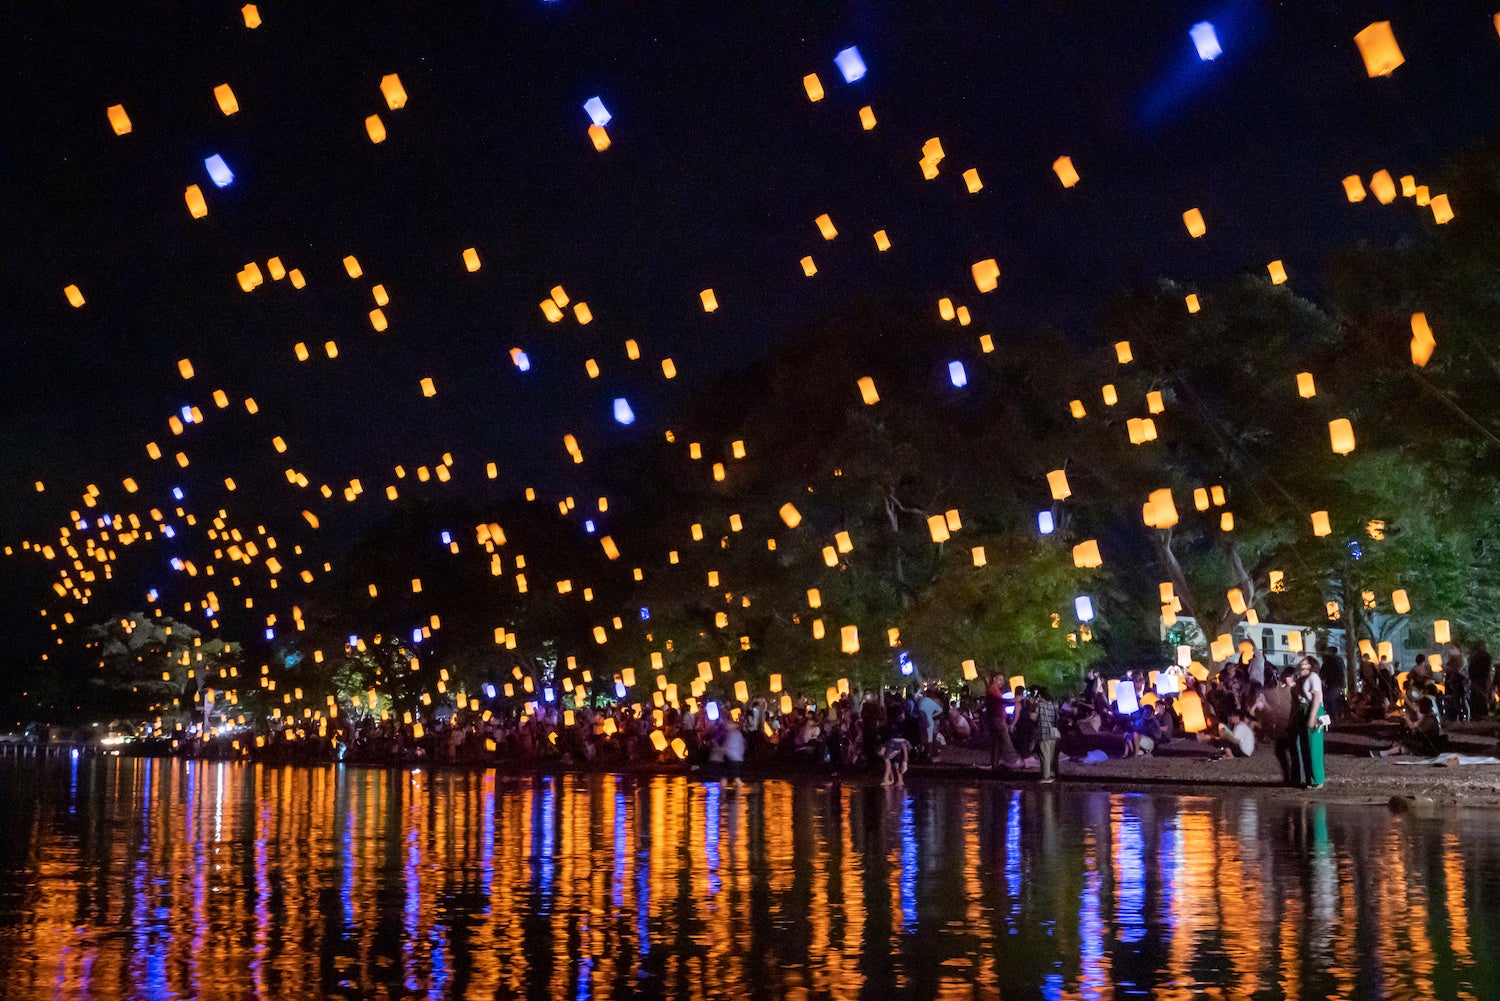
(1236, 739)
(1423, 732)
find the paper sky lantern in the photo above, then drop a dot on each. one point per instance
(790, 515)
(945, 308)
(1083, 605)
(813, 86)
(1354, 189)
(1192, 303)
(225, 96)
(1124, 696)
(972, 181)
(295, 277)
(185, 368)
(599, 138)
(1237, 601)
(331, 349)
(979, 558)
(1320, 524)
(582, 313)
(1110, 394)
(1408, 186)
(75, 297)
(1422, 196)
(937, 527)
(1057, 481)
(377, 319)
(951, 517)
(882, 242)
(1305, 387)
(867, 118)
(1086, 554)
(986, 275)
(1226, 521)
(395, 94)
(844, 543)
(1377, 45)
(1400, 602)
(1383, 187)
(1217, 493)
(378, 291)
(471, 259)
(597, 112)
(1440, 631)
(957, 375)
(1063, 168)
(197, 207)
(1341, 434)
(849, 639)
(1205, 41)
(1442, 212)
(808, 267)
(851, 64)
(1160, 510)
(1154, 402)
(375, 128)
(867, 390)
(623, 413)
(826, 227)
(428, 388)
(1190, 708)
(710, 301)
(118, 120)
(218, 171)
(1193, 220)
(1122, 352)
(1277, 271)
(1422, 343)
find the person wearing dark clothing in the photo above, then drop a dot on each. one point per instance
(1481, 678)
(1331, 671)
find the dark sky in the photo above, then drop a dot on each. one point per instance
(718, 167)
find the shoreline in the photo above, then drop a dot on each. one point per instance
(1181, 768)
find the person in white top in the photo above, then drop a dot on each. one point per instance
(1235, 737)
(1308, 721)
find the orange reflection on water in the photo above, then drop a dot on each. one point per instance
(164, 879)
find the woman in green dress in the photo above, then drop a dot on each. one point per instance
(1309, 719)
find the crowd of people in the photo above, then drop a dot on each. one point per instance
(1229, 711)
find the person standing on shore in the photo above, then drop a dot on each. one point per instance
(1273, 713)
(1308, 716)
(1481, 676)
(1331, 676)
(1046, 733)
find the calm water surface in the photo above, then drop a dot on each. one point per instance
(161, 879)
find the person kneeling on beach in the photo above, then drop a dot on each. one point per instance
(895, 753)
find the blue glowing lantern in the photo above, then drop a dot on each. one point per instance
(711, 711)
(1206, 41)
(588, 526)
(489, 691)
(905, 662)
(547, 694)
(447, 538)
(957, 375)
(1125, 700)
(623, 413)
(218, 171)
(270, 634)
(597, 111)
(169, 531)
(645, 614)
(522, 362)
(151, 594)
(187, 415)
(851, 64)
(1044, 523)
(1084, 606)
(619, 689)
(416, 636)
(177, 492)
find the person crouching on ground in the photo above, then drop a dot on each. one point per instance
(896, 754)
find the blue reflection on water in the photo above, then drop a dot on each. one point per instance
(711, 838)
(545, 842)
(1130, 879)
(617, 883)
(908, 865)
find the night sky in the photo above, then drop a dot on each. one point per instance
(718, 166)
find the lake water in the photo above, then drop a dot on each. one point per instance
(155, 879)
